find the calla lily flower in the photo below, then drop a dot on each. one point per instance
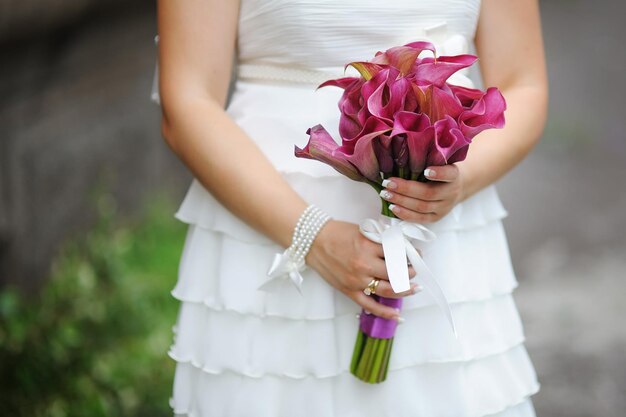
(436, 71)
(403, 58)
(418, 133)
(448, 140)
(322, 147)
(388, 97)
(363, 155)
(485, 113)
(437, 102)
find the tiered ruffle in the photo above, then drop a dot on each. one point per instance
(242, 352)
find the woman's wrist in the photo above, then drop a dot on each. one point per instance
(310, 223)
(308, 226)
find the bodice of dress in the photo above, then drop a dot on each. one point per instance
(331, 33)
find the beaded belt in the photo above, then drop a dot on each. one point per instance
(296, 75)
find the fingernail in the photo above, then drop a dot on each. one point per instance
(393, 208)
(397, 309)
(358, 316)
(415, 289)
(389, 184)
(400, 320)
(386, 194)
(367, 312)
(429, 173)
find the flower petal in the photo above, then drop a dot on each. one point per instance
(372, 125)
(400, 151)
(437, 70)
(322, 147)
(383, 151)
(343, 83)
(448, 140)
(437, 102)
(350, 105)
(366, 69)
(403, 57)
(487, 113)
(466, 96)
(389, 97)
(361, 151)
(416, 129)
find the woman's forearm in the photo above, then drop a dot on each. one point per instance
(495, 152)
(228, 163)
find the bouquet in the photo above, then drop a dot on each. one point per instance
(399, 117)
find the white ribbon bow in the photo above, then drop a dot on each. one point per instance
(284, 268)
(397, 237)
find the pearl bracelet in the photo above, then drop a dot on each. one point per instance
(290, 263)
(308, 226)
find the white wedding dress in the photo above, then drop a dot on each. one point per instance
(241, 352)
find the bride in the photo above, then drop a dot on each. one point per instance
(244, 352)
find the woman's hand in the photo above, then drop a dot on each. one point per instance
(349, 261)
(426, 202)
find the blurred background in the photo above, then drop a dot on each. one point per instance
(89, 247)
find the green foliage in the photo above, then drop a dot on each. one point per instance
(93, 342)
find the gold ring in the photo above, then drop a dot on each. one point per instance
(371, 287)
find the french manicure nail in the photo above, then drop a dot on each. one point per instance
(429, 173)
(393, 207)
(389, 184)
(400, 320)
(386, 194)
(367, 312)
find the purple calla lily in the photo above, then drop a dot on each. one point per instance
(419, 133)
(322, 147)
(403, 58)
(448, 139)
(486, 113)
(436, 71)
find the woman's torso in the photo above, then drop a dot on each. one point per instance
(285, 49)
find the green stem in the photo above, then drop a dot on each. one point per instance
(370, 359)
(362, 366)
(379, 363)
(358, 350)
(386, 360)
(386, 211)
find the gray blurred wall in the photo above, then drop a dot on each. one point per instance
(75, 118)
(24, 18)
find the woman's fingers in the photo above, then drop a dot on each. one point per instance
(384, 290)
(421, 190)
(444, 173)
(411, 203)
(378, 269)
(370, 305)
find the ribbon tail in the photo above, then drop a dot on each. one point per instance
(395, 258)
(297, 279)
(280, 271)
(427, 279)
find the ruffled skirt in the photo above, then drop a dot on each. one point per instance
(241, 352)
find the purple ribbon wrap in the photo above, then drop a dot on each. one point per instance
(378, 327)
